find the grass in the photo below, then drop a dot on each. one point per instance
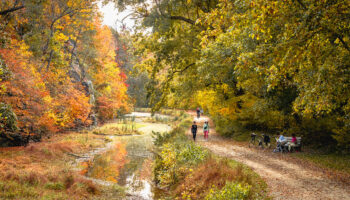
(44, 170)
(190, 171)
(125, 128)
(164, 111)
(216, 172)
(336, 165)
(332, 161)
(160, 119)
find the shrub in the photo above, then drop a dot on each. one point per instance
(229, 191)
(191, 154)
(54, 186)
(211, 173)
(8, 119)
(176, 157)
(160, 138)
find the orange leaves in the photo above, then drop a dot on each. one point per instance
(25, 90)
(108, 78)
(42, 104)
(71, 108)
(64, 48)
(107, 167)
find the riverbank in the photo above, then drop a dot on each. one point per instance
(54, 168)
(43, 170)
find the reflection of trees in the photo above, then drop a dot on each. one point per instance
(108, 165)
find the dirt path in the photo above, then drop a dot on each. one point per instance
(286, 179)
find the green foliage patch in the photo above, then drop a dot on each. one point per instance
(229, 191)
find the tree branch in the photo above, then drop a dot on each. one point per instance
(183, 19)
(4, 12)
(302, 5)
(184, 69)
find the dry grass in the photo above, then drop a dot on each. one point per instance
(216, 173)
(42, 170)
(115, 128)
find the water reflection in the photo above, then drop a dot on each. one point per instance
(128, 163)
(107, 166)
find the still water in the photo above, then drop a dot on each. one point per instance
(128, 162)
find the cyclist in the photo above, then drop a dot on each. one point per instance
(252, 139)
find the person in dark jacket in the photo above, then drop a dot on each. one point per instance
(198, 113)
(194, 130)
(267, 140)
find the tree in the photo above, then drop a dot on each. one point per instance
(268, 65)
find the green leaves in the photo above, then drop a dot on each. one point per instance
(8, 119)
(291, 57)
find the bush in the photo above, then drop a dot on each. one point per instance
(175, 160)
(190, 172)
(177, 153)
(54, 186)
(160, 138)
(8, 119)
(229, 191)
(191, 154)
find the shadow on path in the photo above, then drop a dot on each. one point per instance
(285, 179)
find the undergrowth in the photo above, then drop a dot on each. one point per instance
(44, 170)
(190, 171)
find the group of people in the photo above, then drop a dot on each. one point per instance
(280, 139)
(205, 130)
(199, 112)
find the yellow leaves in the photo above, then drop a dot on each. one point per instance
(59, 36)
(70, 3)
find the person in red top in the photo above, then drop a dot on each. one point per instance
(293, 143)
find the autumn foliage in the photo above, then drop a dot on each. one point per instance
(58, 67)
(266, 66)
(109, 80)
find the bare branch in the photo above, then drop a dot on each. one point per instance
(184, 69)
(4, 12)
(183, 19)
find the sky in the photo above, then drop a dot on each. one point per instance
(113, 18)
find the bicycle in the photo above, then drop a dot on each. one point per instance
(253, 140)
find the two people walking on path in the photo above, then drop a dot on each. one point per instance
(199, 112)
(205, 130)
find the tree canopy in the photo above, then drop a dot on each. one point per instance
(277, 66)
(58, 67)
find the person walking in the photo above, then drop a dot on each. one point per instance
(198, 113)
(194, 130)
(206, 130)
